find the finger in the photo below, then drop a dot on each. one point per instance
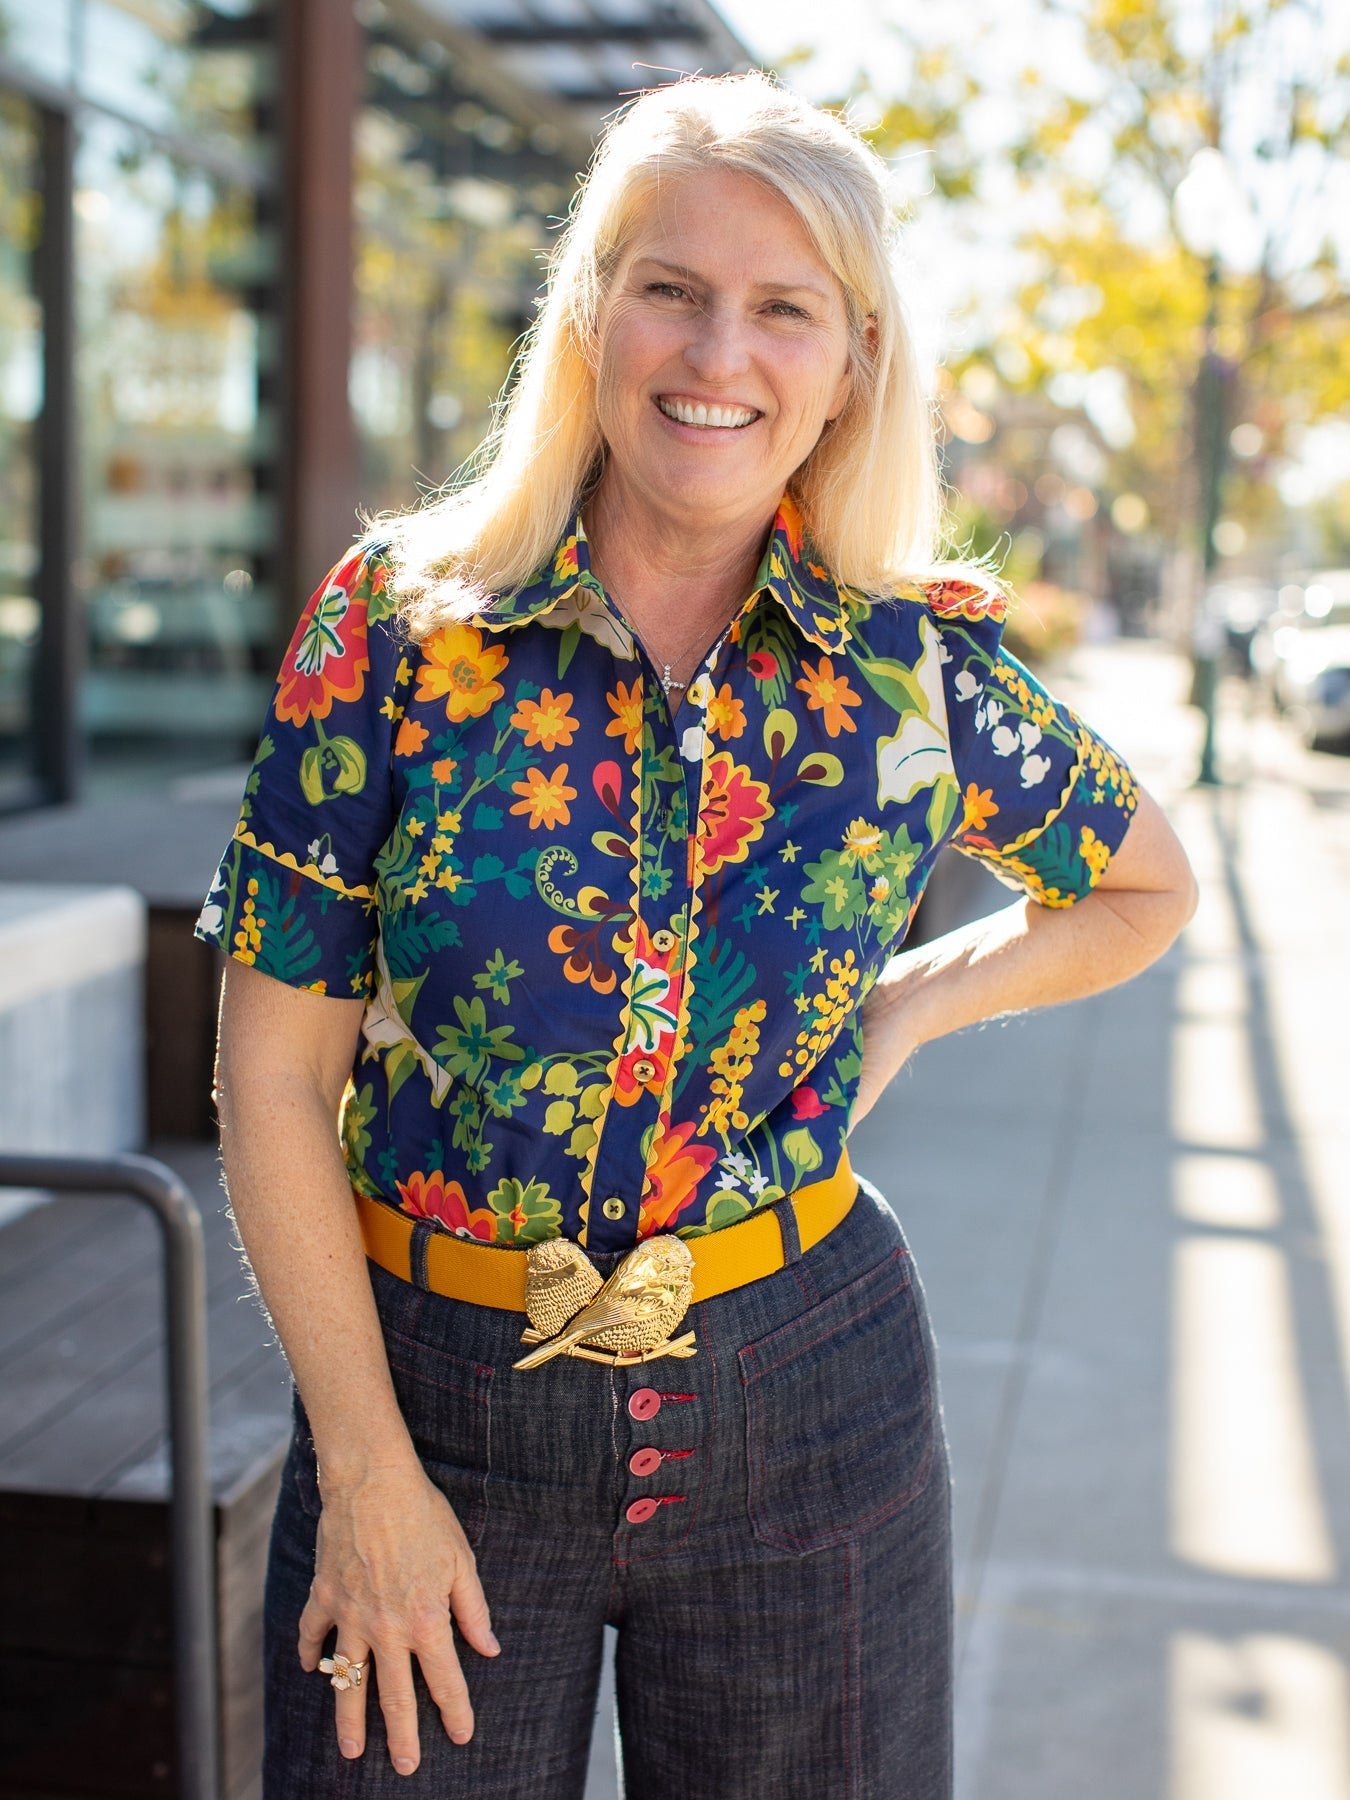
(351, 1702)
(398, 1703)
(469, 1605)
(316, 1621)
(448, 1688)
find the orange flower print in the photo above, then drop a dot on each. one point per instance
(410, 739)
(587, 961)
(444, 769)
(673, 1177)
(433, 1197)
(829, 693)
(459, 668)
(979, 807)
(626, 705)
(328, 655)
(726, 715)
(544, 798)
(546, 721)
(732, 816)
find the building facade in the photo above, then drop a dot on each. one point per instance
(261, 262)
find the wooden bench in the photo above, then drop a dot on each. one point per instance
(86, 1670)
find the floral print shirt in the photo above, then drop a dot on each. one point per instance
(613, 960)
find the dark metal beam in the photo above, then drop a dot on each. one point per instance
(321, 52)
(635, 31)
(60, 650)
(600, 95)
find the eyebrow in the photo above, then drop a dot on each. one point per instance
(763, 287)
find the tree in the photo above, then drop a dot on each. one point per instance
(1098, 135)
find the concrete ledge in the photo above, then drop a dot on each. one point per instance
(72, 1032)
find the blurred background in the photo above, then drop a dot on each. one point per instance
(265, 261)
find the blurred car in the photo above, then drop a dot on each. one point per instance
(1234, 611)
(1302, 653)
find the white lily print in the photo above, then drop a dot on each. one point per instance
(919, 754)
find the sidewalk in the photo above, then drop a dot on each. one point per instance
(1135, 1237)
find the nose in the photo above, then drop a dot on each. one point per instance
(717, 350)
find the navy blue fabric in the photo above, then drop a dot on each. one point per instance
(784, 1618)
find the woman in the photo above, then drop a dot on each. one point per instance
(595, 801)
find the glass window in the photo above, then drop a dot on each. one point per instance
(39, 35)
(452, 201)
(20, 408)
(181, 68)
(176, 454)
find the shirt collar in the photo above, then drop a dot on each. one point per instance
(803, 587)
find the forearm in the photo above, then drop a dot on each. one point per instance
(1022, 957)
(293, 1205)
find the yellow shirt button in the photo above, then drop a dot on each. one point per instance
(613, 1208)
(643, 1070)
(663, 940)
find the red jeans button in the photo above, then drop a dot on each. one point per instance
(645, 1462)
(637, 1512)
(645, 1403)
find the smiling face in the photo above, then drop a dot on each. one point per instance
(723, 351)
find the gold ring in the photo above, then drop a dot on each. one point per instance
(345, 1672)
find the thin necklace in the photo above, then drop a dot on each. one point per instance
(668, 682)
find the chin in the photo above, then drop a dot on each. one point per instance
(712, 492)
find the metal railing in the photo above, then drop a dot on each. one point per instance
(191, 1524)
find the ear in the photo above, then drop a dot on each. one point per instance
(845, 388)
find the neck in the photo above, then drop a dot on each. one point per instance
(664, 570)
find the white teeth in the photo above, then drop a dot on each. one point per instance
(724, 418)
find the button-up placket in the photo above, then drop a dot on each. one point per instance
(667, 775)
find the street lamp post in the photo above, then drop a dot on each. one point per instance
(1207, 202)
(1211, 440)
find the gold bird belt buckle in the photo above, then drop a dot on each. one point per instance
(627, 1319)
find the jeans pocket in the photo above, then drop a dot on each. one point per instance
(840, 1428)
(445, 1402)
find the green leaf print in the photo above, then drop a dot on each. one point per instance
(411, 942)
(526, 1212)
(290, 951)
(498, 976)
(723, 980)
(1054, 857)
(468, 1048)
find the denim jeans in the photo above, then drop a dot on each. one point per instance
(783, 1610)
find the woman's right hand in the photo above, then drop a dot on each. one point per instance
(392, 1565)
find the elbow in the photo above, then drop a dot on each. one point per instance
(1173, 908)
(1187, 900)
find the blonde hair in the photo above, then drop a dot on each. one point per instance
(868, 491)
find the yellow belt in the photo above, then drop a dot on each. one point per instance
(461, 1268)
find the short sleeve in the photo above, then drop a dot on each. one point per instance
(294, 894)
(1045, 801)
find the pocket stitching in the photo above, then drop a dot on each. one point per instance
(476, 1387)
(783, 1538)
(752, 1351)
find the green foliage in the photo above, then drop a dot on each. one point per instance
(1099, 142)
